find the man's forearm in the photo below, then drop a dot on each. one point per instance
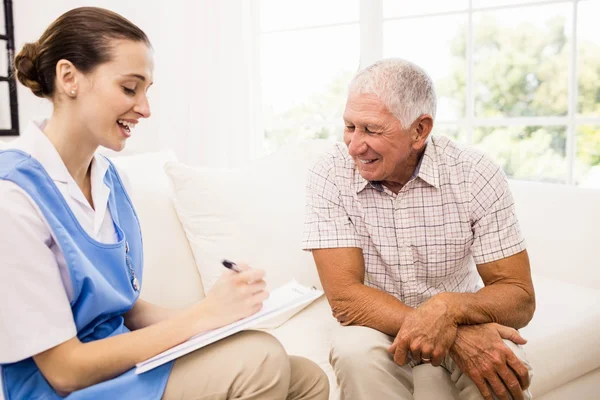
(505, 304)
(366, 306)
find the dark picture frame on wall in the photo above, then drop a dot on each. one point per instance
(9, 38)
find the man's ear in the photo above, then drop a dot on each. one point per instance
(66, 78)
(421, 129)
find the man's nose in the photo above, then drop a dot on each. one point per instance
(357, 144)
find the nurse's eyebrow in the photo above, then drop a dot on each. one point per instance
(140, 77)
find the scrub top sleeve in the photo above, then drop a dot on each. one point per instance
(35, 314)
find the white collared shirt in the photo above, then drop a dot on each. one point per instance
(35, 286)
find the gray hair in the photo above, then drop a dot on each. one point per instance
(402, 86)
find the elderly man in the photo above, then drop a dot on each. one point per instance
(404, 229)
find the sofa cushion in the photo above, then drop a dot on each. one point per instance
(563, 335)
(559, 223)
(170, 275)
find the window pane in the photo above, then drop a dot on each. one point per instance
(452, 131)
(493, 3)
(395, 8)
(284, 133)
(2, 25)
(3, 58)
(442, 56)
(305, 75)
(588, 68)
(4, 106)
(521, 61)
(587, 165)
(277, 14)
(530, 153)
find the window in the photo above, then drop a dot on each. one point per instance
(517, 79)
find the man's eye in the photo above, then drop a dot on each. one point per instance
(129, 91)
(350, 128)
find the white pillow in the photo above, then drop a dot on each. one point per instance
(254, 214)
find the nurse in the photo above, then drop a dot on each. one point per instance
(72, 322)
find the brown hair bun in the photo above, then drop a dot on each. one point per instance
(26, 70)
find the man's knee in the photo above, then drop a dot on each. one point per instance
(468, 389)
(364, 368)
(519, 351)
(358, 346)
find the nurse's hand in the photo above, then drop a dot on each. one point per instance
(235, 295)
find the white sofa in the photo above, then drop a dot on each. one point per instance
(560, 224)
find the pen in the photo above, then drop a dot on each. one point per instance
(231, 265)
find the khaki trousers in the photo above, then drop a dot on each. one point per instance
(365, 370)
(247, 365)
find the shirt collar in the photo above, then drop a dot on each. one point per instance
(36, 143)
(429, 170)
(426, 170)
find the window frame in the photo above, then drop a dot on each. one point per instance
(9, 38)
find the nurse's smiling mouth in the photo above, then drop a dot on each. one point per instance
(126, 126)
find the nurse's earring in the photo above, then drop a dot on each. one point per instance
(73, 92)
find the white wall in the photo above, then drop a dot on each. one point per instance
(201, 97)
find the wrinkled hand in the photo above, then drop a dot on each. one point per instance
(236, 295)
(427, 333)
(481, 354)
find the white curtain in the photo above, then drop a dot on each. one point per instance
(206, 64)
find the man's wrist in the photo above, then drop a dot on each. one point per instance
(453, 304)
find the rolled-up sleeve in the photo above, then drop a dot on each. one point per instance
(496, 232)
(326, 224)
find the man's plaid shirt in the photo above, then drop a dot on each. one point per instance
(456, 209)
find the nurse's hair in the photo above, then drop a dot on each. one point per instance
(404, 87)
(83, 36)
